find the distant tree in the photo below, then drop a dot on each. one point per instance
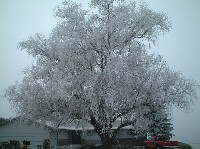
(94, 67)
(4, 121)
(167, 128)
(160, 125)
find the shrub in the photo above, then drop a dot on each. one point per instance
(88, 146)
(184, 145)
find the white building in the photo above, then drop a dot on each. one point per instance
(16, 130)
(70, 134)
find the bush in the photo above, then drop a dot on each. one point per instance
(184, 146)
(120, 147)
(72, 146)
(89, 146)
(5, 145)
(46, 144)
(92, 146)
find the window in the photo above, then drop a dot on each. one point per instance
(89, 132)
(131, 132)
(160, 138)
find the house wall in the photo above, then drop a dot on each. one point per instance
(65, 137)
(19, 131)
(90, 137)
(124, 136)
(125, 133)
(127, 137)
(60, 137)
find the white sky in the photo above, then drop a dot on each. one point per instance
(20, 19)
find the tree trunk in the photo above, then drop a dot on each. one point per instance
(107, 141)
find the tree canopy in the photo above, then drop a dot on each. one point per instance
(95, 67)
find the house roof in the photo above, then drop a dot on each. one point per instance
(75, 125)
(80, 125)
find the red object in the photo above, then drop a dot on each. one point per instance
(159, 142)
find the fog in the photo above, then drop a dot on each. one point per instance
(20, 19)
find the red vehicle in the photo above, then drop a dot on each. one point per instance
(160, 142)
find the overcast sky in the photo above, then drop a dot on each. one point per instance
(20, 19)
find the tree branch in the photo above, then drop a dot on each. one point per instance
(126, 123)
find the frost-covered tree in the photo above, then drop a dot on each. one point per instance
(159, 123)
(94, 67)
(166, 127)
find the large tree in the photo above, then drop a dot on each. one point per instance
(94, 67)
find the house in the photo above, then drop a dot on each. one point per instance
(79, 134)
(70, 134)
(19, 131)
